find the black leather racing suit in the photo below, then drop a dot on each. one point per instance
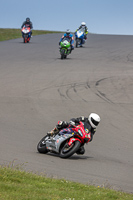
(27, 24)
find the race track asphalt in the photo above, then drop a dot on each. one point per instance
(37, 89)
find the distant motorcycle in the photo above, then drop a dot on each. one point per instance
(26, 32)
(65, 48)
(79, 38)
(67, 142)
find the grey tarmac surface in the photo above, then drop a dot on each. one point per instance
(37, 89)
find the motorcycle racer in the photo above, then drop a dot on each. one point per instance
(71, 38)
(83, 27)
(90, 125)
(27, 23)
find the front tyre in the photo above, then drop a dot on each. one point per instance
(41, 147)
(76, 43)
(67, 151)
(62, 53)
(25, 39)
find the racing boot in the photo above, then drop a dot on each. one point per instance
(54, 131)
(58, 127)
(81, 150)
(72, 48)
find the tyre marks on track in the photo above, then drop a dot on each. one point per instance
(82, 91)
(121, 90)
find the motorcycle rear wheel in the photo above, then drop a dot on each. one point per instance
(41, 147)
(67, 151)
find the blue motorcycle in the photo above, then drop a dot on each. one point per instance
(79, 38)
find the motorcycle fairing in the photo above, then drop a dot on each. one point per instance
(80, 36)
(55, 143)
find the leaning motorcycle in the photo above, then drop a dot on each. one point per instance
(65, 48)
(79, 38)
(26, 32)
(67, 142)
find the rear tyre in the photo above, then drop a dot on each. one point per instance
(67, 151)
(41, 147)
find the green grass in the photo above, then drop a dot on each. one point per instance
(16, 184)
(8, 34)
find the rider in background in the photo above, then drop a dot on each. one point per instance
(27, 23)
(83, 27)
(71, 38)
(90, 124)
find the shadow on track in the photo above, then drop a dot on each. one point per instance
(74, 157)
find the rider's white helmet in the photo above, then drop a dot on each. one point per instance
(68, 31)
(94, 119)
(83, 24)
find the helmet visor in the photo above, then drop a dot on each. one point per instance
(94, 122)
(27, 19)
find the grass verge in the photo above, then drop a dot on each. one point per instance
(9, 34)
(16, 184)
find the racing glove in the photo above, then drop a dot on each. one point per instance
(72, 123)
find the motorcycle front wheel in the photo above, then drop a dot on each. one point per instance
(25, 39)
(76, 43)
(67, 151)
(62, 53)
(41, 147)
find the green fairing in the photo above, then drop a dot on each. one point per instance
(65, 48)
(65, 44)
